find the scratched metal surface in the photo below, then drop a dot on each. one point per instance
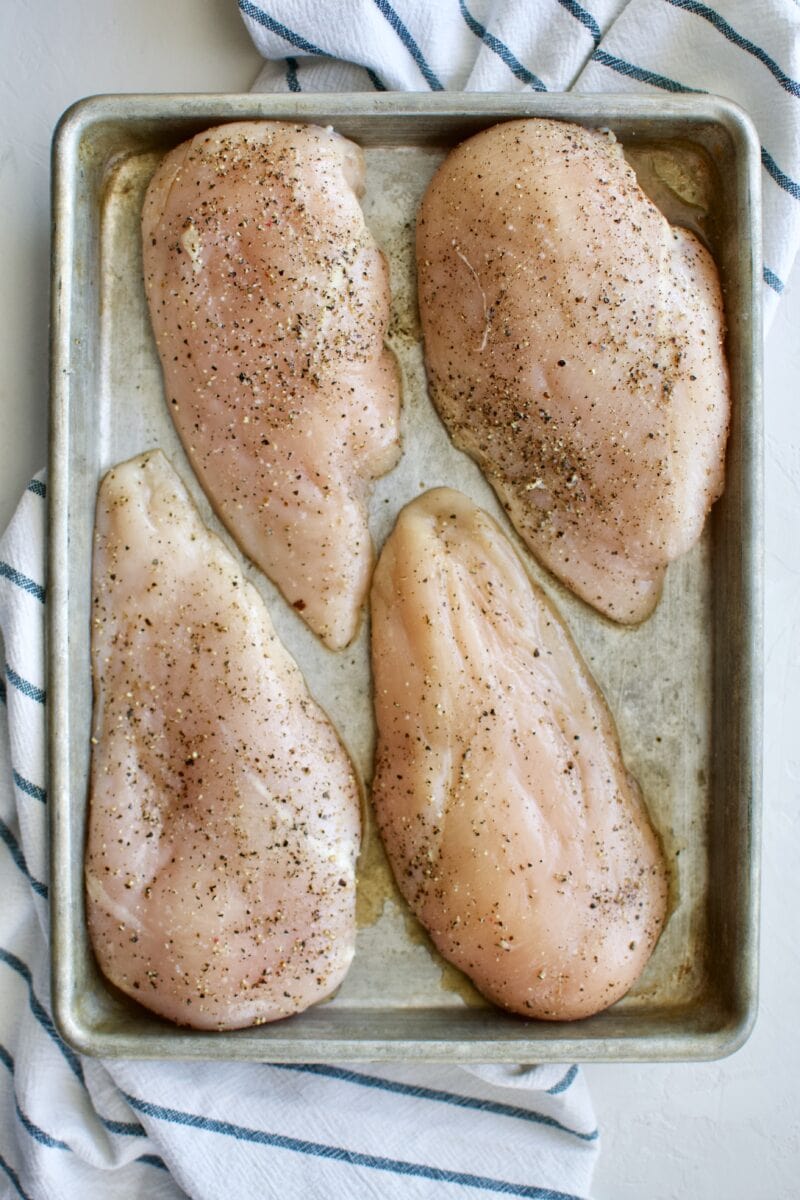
(683, 687)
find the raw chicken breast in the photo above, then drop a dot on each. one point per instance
(269, 300)
(224, 816)
(514, 831)
(574, 345)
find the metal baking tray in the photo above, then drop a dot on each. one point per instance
(684, 687)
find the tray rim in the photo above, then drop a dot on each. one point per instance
(733, 1027)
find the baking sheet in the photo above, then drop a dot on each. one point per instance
(662, 680)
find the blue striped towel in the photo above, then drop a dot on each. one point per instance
(745, 50)
(71, 1126)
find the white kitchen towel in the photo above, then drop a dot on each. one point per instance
(74, 1127)
(745, 50)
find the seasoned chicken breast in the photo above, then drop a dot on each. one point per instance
(574, 347)
(513, 829)
(224, 816)
(269, 301)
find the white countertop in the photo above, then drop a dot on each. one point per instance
(672, 1132)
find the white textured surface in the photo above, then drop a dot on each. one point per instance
(670, 1132)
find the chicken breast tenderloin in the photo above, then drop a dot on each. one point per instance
(270, 300)
(513, 829)
(224, 818)
(574, 347)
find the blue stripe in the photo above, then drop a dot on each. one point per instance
(288, 35)
(670, 85)
(501, 50)
(35, 1131)
(293, 83)
(352, 1158)
(39, 1012)
(773, 281)
(19, 858)
(31, 789)
(14, 1177)
(564, 1083)
(38, 1134)
(783, 180)
(385, 8)
(375, 80)
(22, 685)
(424, 1093)
(22, 581)
(153, 1161)
(37, 487)
(296, 39)
(580, 14)
(633, 72)
(127, 1128)
(727, 31)
(47, 1140)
